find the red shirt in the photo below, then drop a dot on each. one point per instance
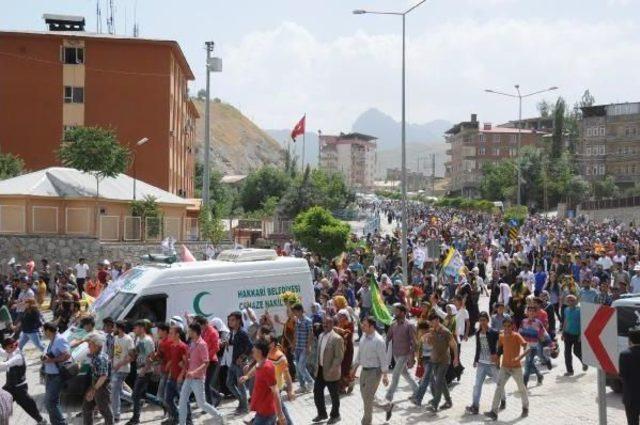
(198, 355)
(102, 276)
(176, 354)
(542, 316)
(211, 336)
(164, 350)
(262, 398)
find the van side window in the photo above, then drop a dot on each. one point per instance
(150, 307)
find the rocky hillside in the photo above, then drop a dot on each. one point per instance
(237, 144)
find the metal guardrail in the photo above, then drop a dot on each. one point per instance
(633, 201)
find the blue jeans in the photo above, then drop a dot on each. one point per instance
(530, 365)
(302, 373)
(53, 387)
(483, 370)
(195, 386)
(34, 337)
(400, 369)
(264, 420)
(418, 394)
(239, 391)
(117, 381)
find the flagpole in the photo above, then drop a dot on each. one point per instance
(304, 133)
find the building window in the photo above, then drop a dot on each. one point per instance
(588, 151)
(496, 138)
(482, 138)
(513, 139)
(513, 152)
(601, 150)
(73, 94)
(588, 171)
(481, 151)
(601, 131)
(73, 55)
(601, 169)
(496, 151)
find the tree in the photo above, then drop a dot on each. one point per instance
(557, 137)
(202, 94)
(587, 99)
(315, 188)
(605, 189)
(261, 185)
(544, 108)
(211, 226)
(94, 150)
(498, 181)
(290, 163)
(223, 198)
(148, 208)
(578, 190)
(318, 230)
(10, 166)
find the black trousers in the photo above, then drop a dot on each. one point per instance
(633, 413)
(571, 343)
(318, 395)
(21, 396)
(210, 380)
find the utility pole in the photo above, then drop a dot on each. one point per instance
(433, 174)
(207, 127)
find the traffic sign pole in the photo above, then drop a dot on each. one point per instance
(602, 398)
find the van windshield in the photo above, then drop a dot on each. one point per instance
(114, 307)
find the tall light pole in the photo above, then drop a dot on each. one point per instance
(520, 96)
(138, 143)
(405, 268)
(213, 65)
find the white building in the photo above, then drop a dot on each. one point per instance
(353, 155)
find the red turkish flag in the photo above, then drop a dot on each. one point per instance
(298, 129)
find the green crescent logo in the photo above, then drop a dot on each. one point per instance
(196, 305)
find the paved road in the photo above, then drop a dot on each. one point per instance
(565, 401)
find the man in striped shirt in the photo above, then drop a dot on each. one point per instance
(534, 333)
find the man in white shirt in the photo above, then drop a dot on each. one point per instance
(528, 277)
(82, 271)
(634, 286)
(16, 382)
(605, 262)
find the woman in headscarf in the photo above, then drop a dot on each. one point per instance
(345, 329)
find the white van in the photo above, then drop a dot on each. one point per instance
(237, 279)
(628, 309)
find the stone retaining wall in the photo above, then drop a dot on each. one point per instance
(66, 249)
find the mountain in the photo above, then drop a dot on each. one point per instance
(237, 144)
(422, 141)
(387, 129)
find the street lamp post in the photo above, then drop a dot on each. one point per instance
(213, 64)
(520, 96)
(405, 268)
(138, 143)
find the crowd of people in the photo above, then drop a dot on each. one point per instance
(371, 322)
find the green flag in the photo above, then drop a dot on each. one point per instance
(378, 308)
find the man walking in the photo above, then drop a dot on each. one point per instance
(304, 329)
(330, 355)
(571, 334)
(16, 383)
(99, 393)
(144, 346)
(121, 365)
(58, 352)
(197, 362)
(510, 344)
(443, 343)
(484, 361)
(372, 357)
(402, 337)
(630, 374)
(235, 357)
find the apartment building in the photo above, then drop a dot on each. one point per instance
(65, 77)
(473, 145)
(353, 155)
(609, 142)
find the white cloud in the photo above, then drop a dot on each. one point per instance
(278, 74)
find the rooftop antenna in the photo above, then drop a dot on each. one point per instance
(111, 28)
(136, 27)
(98, 17)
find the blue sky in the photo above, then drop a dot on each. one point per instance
(284, 57)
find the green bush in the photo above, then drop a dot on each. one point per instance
(516, 212)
